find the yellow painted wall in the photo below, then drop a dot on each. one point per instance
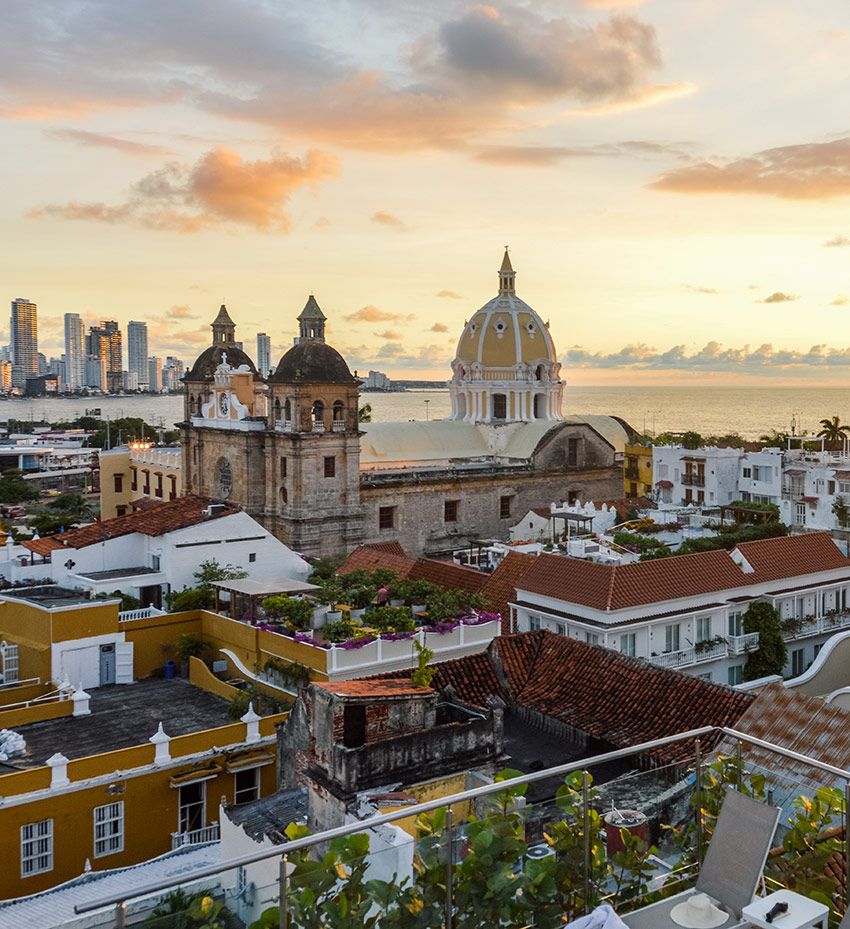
(22, 622)
(433, 790)
(84, 621)
(153, 639)
(110, 465)
(639, 457)
(201, 676)
(35, 713)
(23, 693)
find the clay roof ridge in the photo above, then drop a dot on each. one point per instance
(537, 638)
(612, 580)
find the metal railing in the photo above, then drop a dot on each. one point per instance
(818, 625)
(741, 644)
(712, 735)
(338, 425)
(693, 480)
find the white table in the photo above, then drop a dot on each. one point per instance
(803, 913)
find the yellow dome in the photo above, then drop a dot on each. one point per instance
(505, 331)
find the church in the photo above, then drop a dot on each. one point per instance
(290, 450)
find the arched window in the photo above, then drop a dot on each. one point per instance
(277, 410)
(284, 496)
(538, 406)
(538, 373)
(191, 405)
(338, 410)
(500, 406)
(287, 411)
(318, 411)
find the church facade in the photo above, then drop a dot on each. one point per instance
(290, 450)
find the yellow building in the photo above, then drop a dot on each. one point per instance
(112, 776)
(637, 474)
(138, 471)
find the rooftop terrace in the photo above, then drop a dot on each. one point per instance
(122, 716)
(48, 596)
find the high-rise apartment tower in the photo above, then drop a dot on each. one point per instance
(75, 355)
(137, 351)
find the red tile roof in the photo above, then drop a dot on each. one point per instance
(448, 575)
(388, 555)
(391, 555)
(620, 700)
(501, 585)
(374, 687)
(616, 587)
(167, 516)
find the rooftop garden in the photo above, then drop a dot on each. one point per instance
(356, 609)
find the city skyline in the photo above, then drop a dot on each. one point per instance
(672, 219)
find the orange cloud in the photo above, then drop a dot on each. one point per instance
(439, 327)
(382, 218)
(371, 314)
(838, 241)
(449, 295)
(810, 171)
(391, 335)
(219, 189)
(779, 297)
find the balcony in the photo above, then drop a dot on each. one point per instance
(793, 629)
(685, 657)
(632, 473)
(338, 425)
(692, 479)
(208, 834)
(318, 426)
(550, 861)
(741, 644)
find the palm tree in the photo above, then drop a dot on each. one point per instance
(774, 438)
(364, 414)
(833, 431)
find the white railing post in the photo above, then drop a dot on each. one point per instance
(160, 742)
(252, 724)
(58, 765)
(81, 701)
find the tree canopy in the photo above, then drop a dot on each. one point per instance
(771, 655)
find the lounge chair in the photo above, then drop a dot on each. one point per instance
(733, 864)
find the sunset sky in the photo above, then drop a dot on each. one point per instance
(672, 176)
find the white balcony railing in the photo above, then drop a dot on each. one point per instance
(196, 837)
(318, 427)
(690, 656)
(820, 625)
(338, 425)
(741, 644)
(144, 613)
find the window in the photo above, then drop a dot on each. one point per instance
(747, 472)
(671, 638)
(246, 785)
(627, 644)
(757, 476)
(155, 562)
(703, 628)
(844, 487)
(277, 410)
(505, 504)
(592, 638)
(109, 829)
(134, 478)
(120, 510)
(500, 406)
(572, 452)
(119, 483)
(330, 466)
(798, 658)
(287, 411)
(386, 517)
(9, 653)
(172, 492)
(736, 623)
(450, 510)
(830, 487)
(283, 466)
(318, 412)
(817, 649)
(338, 411)
(147, 487)
(158, 484)
(37, 848)
(192, 806)
(533, 623)
(252, 557)
(735, 675)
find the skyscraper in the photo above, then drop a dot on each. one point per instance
(24, 339)
(75, 356)
(155, 374)
(264, 353)
(137, 351)
(104, 341)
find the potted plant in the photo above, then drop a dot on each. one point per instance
(360, 598)
(399, 592)
(331, 594)
(419, 594)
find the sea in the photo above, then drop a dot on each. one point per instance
(749, 411)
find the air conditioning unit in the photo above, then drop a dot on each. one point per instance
(214, 509)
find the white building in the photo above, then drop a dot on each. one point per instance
(153, 551)
(75, 355)
(155, 374)
(377, 380)
(137, 351)
(760, 476)
(686, 611)
(264, 354)
(703, 476)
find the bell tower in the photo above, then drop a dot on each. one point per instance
(311, 321)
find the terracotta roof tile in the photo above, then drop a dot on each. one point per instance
(389, 555)
(614, 698)
(500, 588)
(167, 516)
(448, 575)
(616, 587)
